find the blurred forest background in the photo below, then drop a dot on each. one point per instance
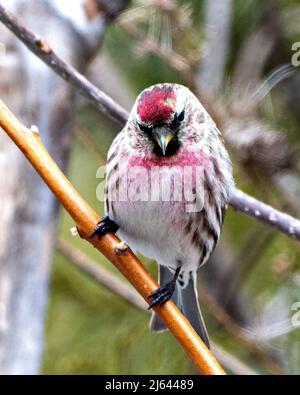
(236, 55)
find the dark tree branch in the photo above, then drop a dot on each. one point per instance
(41, 49)
(263, 212)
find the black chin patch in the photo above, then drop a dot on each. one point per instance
(172, 148)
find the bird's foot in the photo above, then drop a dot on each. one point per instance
(104, 226)
(162, 294)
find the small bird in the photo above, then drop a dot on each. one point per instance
(167, 189)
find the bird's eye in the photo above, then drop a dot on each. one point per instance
(145, 128)
(177, 120)
(180, 117)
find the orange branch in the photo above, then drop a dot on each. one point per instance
(86, 219)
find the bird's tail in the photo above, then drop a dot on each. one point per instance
(186, 300)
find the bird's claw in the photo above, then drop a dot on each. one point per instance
(104, 226)
(162, 295)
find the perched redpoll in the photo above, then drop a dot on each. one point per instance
(167, 190)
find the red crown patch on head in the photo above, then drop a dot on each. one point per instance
(156, 105)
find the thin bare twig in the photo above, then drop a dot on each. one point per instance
(239, 200)
(174, 59)
(86, 139)
(233, 364)
(86, 219)
(100, 275)
(234, 329)
(263, 212)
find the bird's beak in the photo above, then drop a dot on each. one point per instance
(163, 140)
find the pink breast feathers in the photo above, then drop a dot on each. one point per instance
(156, 105)
(182, 158)
(179, 178)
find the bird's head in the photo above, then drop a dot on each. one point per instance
(160, 115)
